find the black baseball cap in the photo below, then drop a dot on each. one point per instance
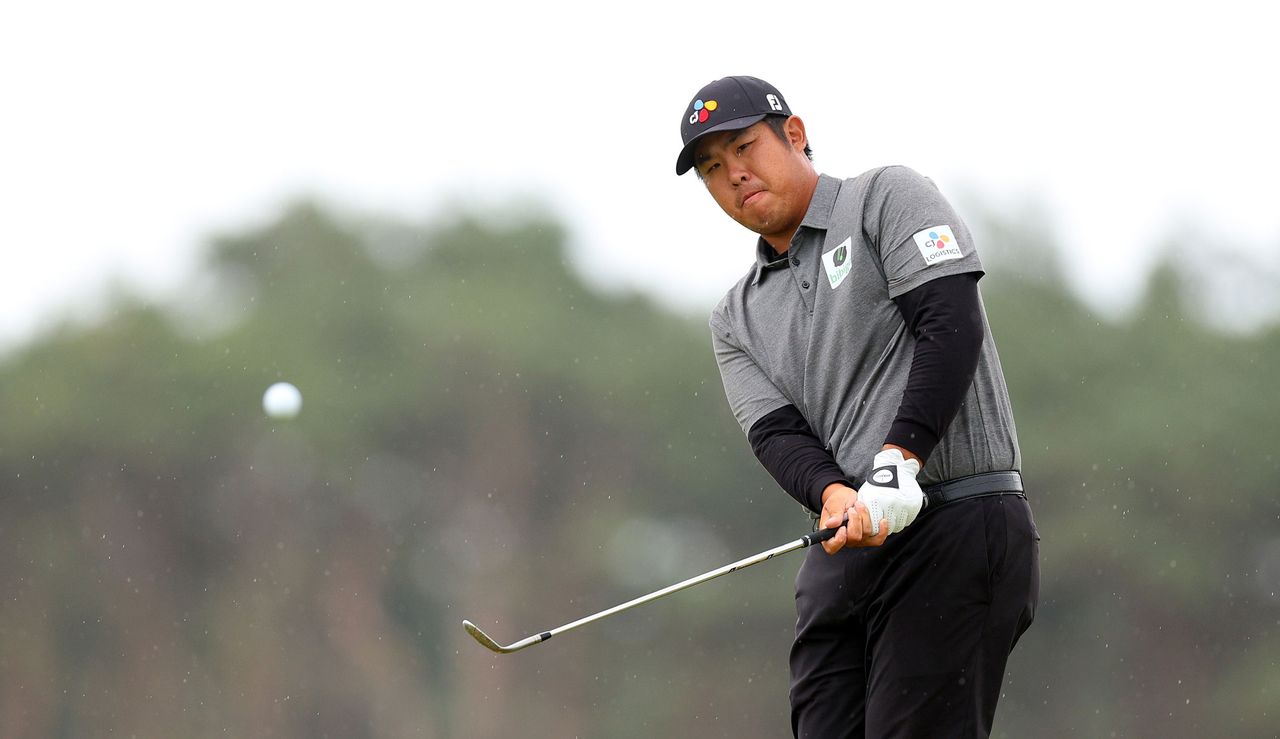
(727, 104)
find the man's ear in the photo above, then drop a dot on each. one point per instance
(796, 135)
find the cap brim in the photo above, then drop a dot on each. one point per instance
(685, 161)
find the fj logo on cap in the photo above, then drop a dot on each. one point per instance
(702, 111)
(773, 101)
(838, 263)
(938, 244)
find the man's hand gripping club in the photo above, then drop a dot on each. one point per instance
(888, 502)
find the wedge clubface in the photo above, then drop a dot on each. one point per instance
(804, 541)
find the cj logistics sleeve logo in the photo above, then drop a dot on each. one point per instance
(938, 244)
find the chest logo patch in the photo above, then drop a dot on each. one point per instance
(938, 244)
(838, 263)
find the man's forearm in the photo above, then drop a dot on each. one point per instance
(794, 456)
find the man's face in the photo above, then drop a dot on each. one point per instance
(761, 181)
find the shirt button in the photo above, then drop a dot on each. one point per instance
(805, 284)
(795, 262)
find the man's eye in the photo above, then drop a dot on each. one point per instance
(744, 146)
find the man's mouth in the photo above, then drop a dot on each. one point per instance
(749, 198)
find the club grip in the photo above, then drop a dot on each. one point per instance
(822, 535)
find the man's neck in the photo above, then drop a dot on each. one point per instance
(781, 241)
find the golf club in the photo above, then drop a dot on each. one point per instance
(804, 541)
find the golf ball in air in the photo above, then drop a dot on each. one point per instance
(282, 400)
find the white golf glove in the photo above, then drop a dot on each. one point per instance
(891, 491)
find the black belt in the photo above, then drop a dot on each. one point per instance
(974, 486)
(1007, 482)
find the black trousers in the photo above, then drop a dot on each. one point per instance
(911, 639)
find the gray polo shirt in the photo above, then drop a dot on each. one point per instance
(818, 328)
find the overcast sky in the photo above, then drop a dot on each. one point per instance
(132, 130)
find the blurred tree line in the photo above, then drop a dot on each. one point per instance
(485, 435)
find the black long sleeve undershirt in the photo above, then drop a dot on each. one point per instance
(787, 447)
(944, 316)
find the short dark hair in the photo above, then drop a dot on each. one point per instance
(778, 124)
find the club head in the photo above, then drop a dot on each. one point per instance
(481, 637)
(488, 643)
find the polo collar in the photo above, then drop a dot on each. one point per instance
(818, 217)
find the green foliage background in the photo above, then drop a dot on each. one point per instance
(487, 435)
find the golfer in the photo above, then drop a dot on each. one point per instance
(856, 355)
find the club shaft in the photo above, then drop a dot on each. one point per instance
(804, 541)
(697, 580)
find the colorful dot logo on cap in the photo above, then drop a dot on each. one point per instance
(939, 241)
(702, 111)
